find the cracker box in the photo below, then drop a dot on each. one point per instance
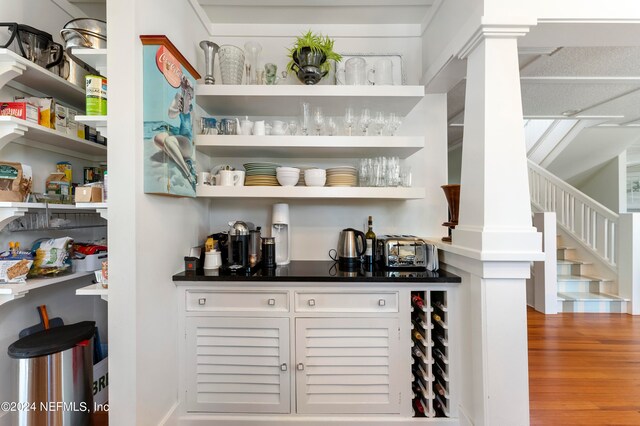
(22, 110)
(47, 109)
(58, 184)
(61, 118)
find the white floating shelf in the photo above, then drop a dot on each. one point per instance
(94, 290)
(96, 58)
(10, 211)
(308, 192)
(284, 100)
(308, 146)
(21, 70)
(11, 128)
(9, 292)
(97, 121)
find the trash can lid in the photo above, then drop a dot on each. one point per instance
(53, 340)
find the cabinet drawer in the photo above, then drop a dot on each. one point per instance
(245, 301)
(346, 302)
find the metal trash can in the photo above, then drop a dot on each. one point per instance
(55, 376)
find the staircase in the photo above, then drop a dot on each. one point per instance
(579, 290)
(587, 245)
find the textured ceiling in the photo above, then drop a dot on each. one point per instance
(586, 61)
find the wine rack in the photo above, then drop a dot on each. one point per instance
(430, 353)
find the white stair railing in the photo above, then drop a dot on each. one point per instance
(588, 221)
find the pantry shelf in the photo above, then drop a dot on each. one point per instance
(98, 207)
(97, 121)
(392, 193)
(9, 292)
(11, 128)
(94, 290)
(308, 146)
(14, 68)
(10, 211)
(95, 58)
(284, 100)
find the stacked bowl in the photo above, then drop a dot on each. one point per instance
(342, 176)
(287, 176)
(315, 177)
(261, 174)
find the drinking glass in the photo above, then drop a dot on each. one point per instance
(365, 121)
(394, 123)
(318, 120)
(305, 122)
(364, 172)
(252, 50)
(332, 127)
(293, 127)
(405, 176)
(393, 171)
(349, 119)
(379, 122)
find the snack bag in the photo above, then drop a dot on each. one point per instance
(52, 257)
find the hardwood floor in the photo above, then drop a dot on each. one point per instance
(584, 369)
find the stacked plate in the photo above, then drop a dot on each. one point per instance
(302, 169)
(342, 176)
(261, 174)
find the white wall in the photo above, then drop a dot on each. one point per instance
(608, 185)
(149, 234)
(455, 164)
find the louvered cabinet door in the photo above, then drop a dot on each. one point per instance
(348, 365)
(238, 365)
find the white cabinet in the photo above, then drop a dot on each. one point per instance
(345, 365)
(238, 365)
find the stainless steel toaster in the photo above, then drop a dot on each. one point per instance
(401, 251)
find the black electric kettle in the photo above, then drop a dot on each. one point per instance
(351, 246)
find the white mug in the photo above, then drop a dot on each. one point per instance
(227, 178)
(279, 127)
(238, 178)
(383, 72)
(259, 128)
(212, 260)
(204, 178)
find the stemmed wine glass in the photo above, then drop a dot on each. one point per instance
(393, 123)
(349, 119)
(365, 120)
(318, 120)
(293, 127)
(332, 127)
(379, 122)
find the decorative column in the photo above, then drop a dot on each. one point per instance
(495, 241)
(495, 209)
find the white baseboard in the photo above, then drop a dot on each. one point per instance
(171, 418)
(465, 420)
(295, 420)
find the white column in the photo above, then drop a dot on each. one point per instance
(629, 267)
(495, 210)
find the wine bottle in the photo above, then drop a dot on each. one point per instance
(417, 300)
(438, 388)
(417, 335)
(418, 409)
(436, 318)
(417, 352)
(370, 236)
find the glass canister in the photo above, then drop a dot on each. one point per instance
(269, 252)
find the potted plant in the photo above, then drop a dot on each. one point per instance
(310, 57)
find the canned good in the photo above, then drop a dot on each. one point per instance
(96, 92)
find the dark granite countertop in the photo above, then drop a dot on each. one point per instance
(320, 271)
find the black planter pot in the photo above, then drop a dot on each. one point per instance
(307, 65)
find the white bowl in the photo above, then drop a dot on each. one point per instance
(287, 180)
(315, 172)
(287, 169)
(314, 180)
(287, 173)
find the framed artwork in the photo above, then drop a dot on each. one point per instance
(397, 62)
(169, 98)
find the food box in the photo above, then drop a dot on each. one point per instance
(96, 91)
(22, 110)
(72, 125)
(47, 109)
(89, 194)
(14, 267)
(61, 118)
(15, 181)
(58, 184)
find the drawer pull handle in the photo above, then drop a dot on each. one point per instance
(382, 302)
(300, 366)
(283, 366)
(312, 302)
(272, 302)
(202, 301)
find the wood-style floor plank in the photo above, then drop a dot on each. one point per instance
(584, 369)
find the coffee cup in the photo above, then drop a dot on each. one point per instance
(238, 178)
(259, 128)
(227, 178)
(212, 260)
(204, 178)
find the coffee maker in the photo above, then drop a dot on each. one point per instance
(238, 246)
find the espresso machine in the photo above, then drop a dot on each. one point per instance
(238, 246)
